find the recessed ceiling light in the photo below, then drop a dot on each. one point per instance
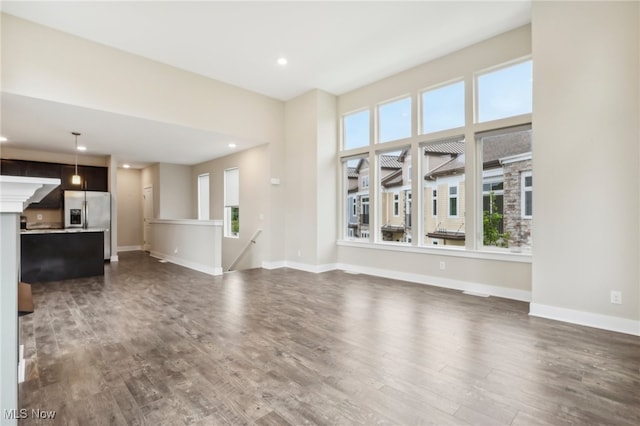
(232, 145)
(82, 148)
(126, 166)
(3, 139)
(282, 61)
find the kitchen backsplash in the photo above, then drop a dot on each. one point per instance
(44, 218)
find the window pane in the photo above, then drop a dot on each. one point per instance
(505, 92)
(506, 162)
(442, 175)
(235, 220)
(356, 172)
(231, 202)
(528, 209)
(232, 187)
(394, 196)
(356, 130)
(395, 120)
(203, 196)
(443, 108)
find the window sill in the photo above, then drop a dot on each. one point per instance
(441, 251)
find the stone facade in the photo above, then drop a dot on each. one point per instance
(518, 227)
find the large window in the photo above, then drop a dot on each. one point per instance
(493, 191)
(355, 170)
(203, 197)
(356, 130)
(443, 108)
(394, 120)
(505, 92)
(506, 189)
(232, 203)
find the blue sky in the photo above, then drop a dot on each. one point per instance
(502, 93)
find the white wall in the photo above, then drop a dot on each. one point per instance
(300, 181)
(586, 156)
(326, 177)
(129, 195)
(175, 197)
(310, 178)
(151, 178)
(80, 72)
(195, 244)
(255, 189)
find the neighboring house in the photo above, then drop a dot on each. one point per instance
(396, 197)
(358, 200)
(506, 175)
(444, 192)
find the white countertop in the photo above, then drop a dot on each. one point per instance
(60, 231)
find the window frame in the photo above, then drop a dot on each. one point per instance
(343, 128)
(451, 197)
(229, 206)
(378, 121)
(524, 188)
(396, 204)
(421, 117)
(476, 89)
(204, 197)
(434, 201)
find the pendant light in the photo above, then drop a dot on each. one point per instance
(75, 179)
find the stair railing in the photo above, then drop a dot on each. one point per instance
(245, 249)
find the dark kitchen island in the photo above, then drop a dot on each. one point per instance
(61, 254)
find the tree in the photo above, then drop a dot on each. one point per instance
(491, 225)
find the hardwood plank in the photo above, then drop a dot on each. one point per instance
(156, 344)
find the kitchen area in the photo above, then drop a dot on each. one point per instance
(66, 234)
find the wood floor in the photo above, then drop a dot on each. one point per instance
(157, 344)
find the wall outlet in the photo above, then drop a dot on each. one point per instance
(442, 265)
(616, 297)
(39, 217)
(175, 250)
(299, 253)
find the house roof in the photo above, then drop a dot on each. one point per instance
(363, 163)
(501, 146)
(450, 147)
(390, 162)
(393, 179)
(495, 148)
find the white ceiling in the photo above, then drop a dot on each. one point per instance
(330, 45)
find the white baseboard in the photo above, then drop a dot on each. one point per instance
(273, 265)
(605, 322)
(129, 248)
(316, 269)
(507, 293)
(497, 291)
(114, 258)
(187, 263)
(21, 364)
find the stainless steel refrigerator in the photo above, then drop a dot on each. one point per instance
(89, 209)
